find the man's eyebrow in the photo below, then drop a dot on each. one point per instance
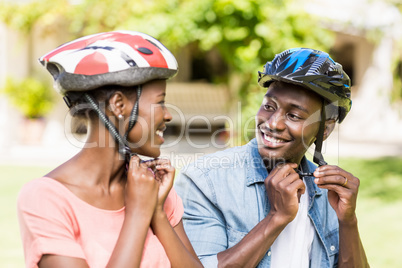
(300, 108)
(294, 105)
(269, 96)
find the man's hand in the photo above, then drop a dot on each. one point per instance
(342, 190)
(284, 188)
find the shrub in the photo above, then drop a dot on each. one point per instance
(30, 96)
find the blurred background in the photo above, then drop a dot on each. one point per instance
(220, 45)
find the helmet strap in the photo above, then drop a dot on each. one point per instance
(134, 112)
(124, 150)
(318, 157)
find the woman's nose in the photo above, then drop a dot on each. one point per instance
(168, 116)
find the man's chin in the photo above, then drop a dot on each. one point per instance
(270, 154)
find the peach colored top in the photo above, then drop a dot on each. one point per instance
(55, 221)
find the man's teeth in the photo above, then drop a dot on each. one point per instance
(159, 133)
(273, 140)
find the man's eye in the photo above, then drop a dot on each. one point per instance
(294, 117)
(268, 107)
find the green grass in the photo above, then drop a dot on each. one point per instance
(379, 208)
(11, 181)
(380, 178)
(381, 231)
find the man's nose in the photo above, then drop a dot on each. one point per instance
(276, 121)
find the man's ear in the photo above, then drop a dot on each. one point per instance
(329, 127)
(117, 103)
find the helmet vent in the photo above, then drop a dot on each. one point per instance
(53, 70)
(145, 50)
(154, 44)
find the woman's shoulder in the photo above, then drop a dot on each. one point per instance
(42, 184)
(42, 191)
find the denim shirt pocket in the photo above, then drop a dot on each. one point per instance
(332, 242)
(234, 236)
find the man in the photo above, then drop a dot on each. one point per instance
(264, 204)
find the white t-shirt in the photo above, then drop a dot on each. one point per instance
(293, 245)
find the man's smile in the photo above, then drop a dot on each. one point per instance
(273, 140)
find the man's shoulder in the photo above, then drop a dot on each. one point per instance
(214, 174)
(225, 159)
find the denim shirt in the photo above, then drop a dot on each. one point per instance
(224, 198)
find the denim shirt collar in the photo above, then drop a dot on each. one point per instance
(257, 172)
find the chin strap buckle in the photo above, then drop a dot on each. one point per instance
(67, 100)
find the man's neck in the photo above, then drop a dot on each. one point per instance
(270, 163)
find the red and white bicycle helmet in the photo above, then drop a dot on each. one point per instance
(124, 58)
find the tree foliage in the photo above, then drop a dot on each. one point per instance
(247, 33)
(32, 97)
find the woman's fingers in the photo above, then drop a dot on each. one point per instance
(160, 165)
(138, 166)
(134, 162)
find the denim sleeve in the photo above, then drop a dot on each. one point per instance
(203, 221)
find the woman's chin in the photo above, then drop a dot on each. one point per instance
(151, 152)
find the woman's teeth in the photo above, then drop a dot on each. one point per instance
(159, 133)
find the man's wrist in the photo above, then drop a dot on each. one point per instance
(276, 223)
(349, 223)
(279, 219)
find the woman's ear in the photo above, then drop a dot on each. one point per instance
(329, 127)
(117, 103)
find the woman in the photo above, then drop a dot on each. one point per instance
(105, 207)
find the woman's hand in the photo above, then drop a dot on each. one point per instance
(342, 190)
(141, 194)
(164, 175)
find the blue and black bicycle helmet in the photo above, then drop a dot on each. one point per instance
(316, 71)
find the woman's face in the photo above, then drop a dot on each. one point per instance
(146, 136)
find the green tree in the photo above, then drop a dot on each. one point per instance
(32, 97)
(247, 33)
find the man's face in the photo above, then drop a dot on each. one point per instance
(287, 122)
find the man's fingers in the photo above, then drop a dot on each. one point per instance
(330, 170)
(284, 170)
(336, 179)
